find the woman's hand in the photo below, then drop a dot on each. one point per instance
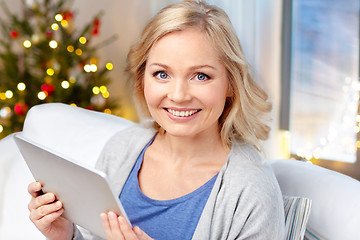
(117, 228)
(45, 213)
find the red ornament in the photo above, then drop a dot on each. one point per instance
(96, 25)
(49, 34)
(67, 15)
(21, 108)
(48, 88)
(95, 31)
(96, 22)
(90, 107)
(14, 34)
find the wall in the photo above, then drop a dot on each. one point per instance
(268, 66)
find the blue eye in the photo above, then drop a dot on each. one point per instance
(161, 75)
(202, 76)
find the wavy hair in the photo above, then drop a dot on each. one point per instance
(244, 113)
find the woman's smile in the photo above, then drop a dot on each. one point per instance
(182, 113)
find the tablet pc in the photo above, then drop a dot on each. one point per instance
(84, 192)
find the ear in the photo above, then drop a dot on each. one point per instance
(230, 91)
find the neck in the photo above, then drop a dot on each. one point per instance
(195, 150)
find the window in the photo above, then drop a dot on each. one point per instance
(320, 77)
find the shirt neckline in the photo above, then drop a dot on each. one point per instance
(205, 186)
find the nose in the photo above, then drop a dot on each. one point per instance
(179, 91)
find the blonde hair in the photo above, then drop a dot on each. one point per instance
(244, 112)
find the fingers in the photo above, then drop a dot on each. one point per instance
(47, 219)
(141, 235)
(117, 227)
(34, 189)
(47, 209)
(111, 226)
(45, 213)
(43, 208)
(126, 229)
(36, 202)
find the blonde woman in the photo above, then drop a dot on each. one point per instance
(197, 172)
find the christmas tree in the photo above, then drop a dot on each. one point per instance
(44, 58)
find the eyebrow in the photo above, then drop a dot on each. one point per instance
(191, 68)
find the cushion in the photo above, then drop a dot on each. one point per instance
(312, 235)
(297, 211)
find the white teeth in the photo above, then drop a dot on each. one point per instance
(182, 113)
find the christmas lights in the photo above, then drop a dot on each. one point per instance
(103, 89)
(27, 44)
(9, 94)
(72, 79)
(5, 113)
(21, 86)
(58, 17)
(78, 52)
(50, 72)
(109, 66)
(41, 95)
(65, 84)
(55, 26)
(346, 125)
(64, 23)
(2, 96)
(87, 68)
(53, 44)
(106, 94)
(82, 40)
(93, 68)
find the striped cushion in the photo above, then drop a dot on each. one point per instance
(297, 210)
(311, 235)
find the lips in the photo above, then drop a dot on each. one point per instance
(182, 113)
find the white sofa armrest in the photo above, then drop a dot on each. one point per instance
(75, 132)
(335, 197)
(14, 178)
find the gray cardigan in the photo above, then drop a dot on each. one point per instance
(245, 202)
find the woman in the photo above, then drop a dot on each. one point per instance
(197, 172)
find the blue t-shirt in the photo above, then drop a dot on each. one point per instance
(163, 219)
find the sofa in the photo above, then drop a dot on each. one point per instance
(81, 134)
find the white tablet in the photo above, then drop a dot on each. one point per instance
(84, 192)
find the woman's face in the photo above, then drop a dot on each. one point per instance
(185, 84)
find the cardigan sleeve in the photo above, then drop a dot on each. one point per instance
(77, 234)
